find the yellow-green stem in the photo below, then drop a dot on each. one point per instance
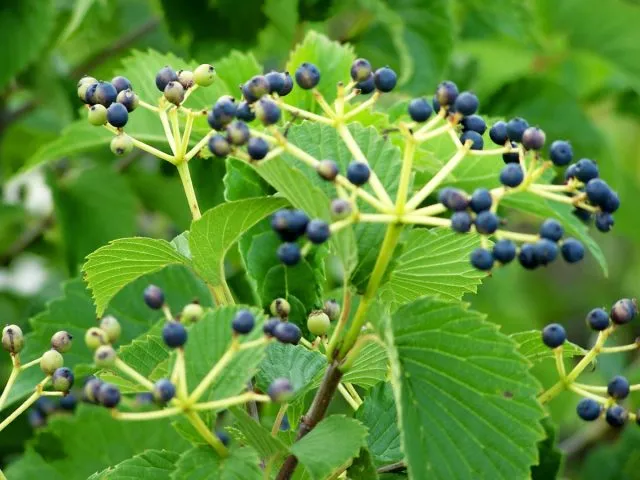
(279, 417)
(142, 416)
(232, 401)
(347, 396)
(215, 371)
(7, 388)
(187, 185)
(134, 375)
(405, 174)
(206, 433)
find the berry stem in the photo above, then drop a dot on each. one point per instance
(189, 92)
(299, 112)
(561, 198)
(167, 312)
(199, 146)
(352, 356)
(591, 354)
(187, 185)
(141, 416)
(431, 210)
(591, 388)
(431, 123)
(494, 151)
(148, 106)
(15, 371)
(254, 343)
(214, 372)
(363, 106)
(167, 131)
(351, 389)
(231, 401)
(347, 396)
(175, 130)
(558, 353)
(323, 104)
(131, 373)
(344, 318)
(180, 367)
(423, 137)
(552, 392)
(52, 394)
(205, 432)
(30, 364)
(186, 136)
(580, 391)
(144, 146)
(26, 404)
(405, 174)
(621, 348)
(279, 417)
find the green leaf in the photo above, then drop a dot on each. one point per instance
(241, 181)
(551, 456)
(256, 435)
(330, 445)
(151, 464)
(202, 463)
(362, 467)
(433, 262)
(378, 414)
(112, 267)
(219, 228)
(614, 460)
(531, 347)
(465, 398)
(370, 367)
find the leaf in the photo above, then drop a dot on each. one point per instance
(551, 456)
(80, 10)
(370, 367)
(615, 460)
(241, 181)
(362, 467)
(465, 398)
(378, 414)
(112, 267)
(151, 464)
(531, 347)
(202, 463)
(219, 228)
(433, 262)
(256, 435)
(330, 445)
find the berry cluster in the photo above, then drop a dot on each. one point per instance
(291, 225)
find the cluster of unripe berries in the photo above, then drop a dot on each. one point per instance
(598, 319)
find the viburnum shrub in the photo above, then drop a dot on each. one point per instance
(407, 201)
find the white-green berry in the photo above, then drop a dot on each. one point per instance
(332, 309)
(204, 75)
(191, 313)
(111, 327)
(185, 77)
(318, 323)
(61, 341)
(121, 145)
(12, 339)
(95, 337)
(280, 308)
(97, 115)
(62, 379)
(83, 85)
(50, 361)
(174, 92)
(105, 356)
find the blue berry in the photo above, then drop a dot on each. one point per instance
(215, 122)
(280, 390)
(289, 224)
(618, 387)
(163, 390)
(597, 191)
(461, 222)
(498, 133)
(546, 251)
(582, 214)
(475, 123)
(611, 203)
(616, 416)
(121, 83)
(477, 142)
(453, 199)
(269, 326)
(588, 409)
(360, 69)
(513, 156)
(598, 319)
(117, 115)
(511, 175)
(435, 104)
(515, 128)
(481, 259)
(487, 222)
(527, 256)
(553, 335)
(585, 170)
(446, 94)
(298, 221)
(243, 322)
(419, 110)
(289, 253)
(307, 76)
(572, 250)
(109, 395)
(69, 402)
(480, 200)
(104, 94)
(466, 103)
(255, 88)
(45, 406)
(288, 85)
(533, 138)
(286, 332)
(358, 173)
(257, 148)
(244, 112)
(551, 229)
(238, 133)
(91, 389)
(164, 76)
(276, 82)
(36, 419)
(129, 99)
(604, 221)
(561, 153)
(224, 110)
(219, 146)
(623, 311)
(223, 437)
(268, 112)
(327, 170)
(385, 79)
(367, 85)
(153, 297)
(174, 334)
(318, 231)
(62, 379)
(504, 251)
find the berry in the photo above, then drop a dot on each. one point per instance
(153, 297)
(224, 110)
(223, 437)
(36, 419)
(435, 104)
(515, 128)
(307, 76)
(504, 251)
(366, 86)
(280, 390)
(244, 112)
(513, 156)
(528, 257)
(327, 169)
(498, 133)
(243, 322)
(61, 341)
(91, 389)
(174, 334)
(287, 332)
(269, 326)
(174, 92)
(257, 148)
(551, 229)
(256, 88)
(582, 214)
(97, 115)
(360, 69)
(318, 323)
(487, 222)
(453, 199)
(561, 153)
(358, 173)
(553, 335)
(533, 138)
(289, 253)
(144, 398)
(289, 224)
(105, 356)
(89, 94)
(94, 337)
(185, 77)
(446, 94)
(45, 406)
(616, 416)
(121, 83)
(480, 200)
(12, 339)
(104, 94)
(62, 379)
(214, 122)
(129, 99)
(280, 308)
(117, 115)
(477, 142)
(585, 170)
(572, 250)
(546, 251)
(191, 313)
(623, 311)
(461, 222)
(618, 387)
(466, 104)
(111, 327)
(219, 146)
(164, 76)
(385, 79)
(121, 145)
(419, 110)
(597, 191)
(83, 85)
(68, 402)
(50, 361)
(332, 309)
(340, 208)
(475, 123)
(267, 112)
(238, 133)
(109, 395)
(318, 231)
(511, 175)
(204, 75)
(481, 259)
(275, 81)
(611, 204)
(604, 221)
(588, 409)
(598, 319)
(163, 390)
(288, 85)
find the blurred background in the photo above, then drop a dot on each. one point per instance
(570, 66)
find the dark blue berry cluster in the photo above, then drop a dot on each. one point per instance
(367, 80)
(291, 225)
(46, 407)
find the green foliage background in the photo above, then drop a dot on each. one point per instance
(570, 66)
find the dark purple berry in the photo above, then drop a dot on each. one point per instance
(360, 69)
(446, 94)
(487, 222)
(616, 416)
(174, 334)
(515, 128)
(623, 311)
(572, 250)
(533, 138)
(461, 222)
(121, 83)
(466, 103)
(318, 231)
(585, 170)
(598, 319)
(419, 110)
(480, 200)
(117, 115)
(257, 148)
(475, 123)
(164, 76)
(385, 79)
(477, 142)
(588, 409)
(366, 86)
(511, 175)
(163, 390)
(546, 251)
(527, 256)
(513, 156)
(289, 254)
(561, 153)
(553, 335)
(238, 133)
(269, 326)
(153, 297)
(504, 251)
(244, 112)
(482, 259)
(498, 133)
(109, 395)
(256, 88)
(604, 221)
(280, 390)
(618, 387)
(307, 76)
(287, 332)
(358, 173)
(219, 146)
(243, 322)
(551, 229)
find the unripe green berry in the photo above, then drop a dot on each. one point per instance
(62, 379)
(191, 313)
(318, 323)
(204, 75)
(83, 85)
(332, 309)
(95, 337)
(50, 361)
(280, 308)
(340, 209)
(111, 327)
(61, 341)
(185, 77)
(174, 92)
(105, 356)
(97, 115)
(121, 145)
(12, 339)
